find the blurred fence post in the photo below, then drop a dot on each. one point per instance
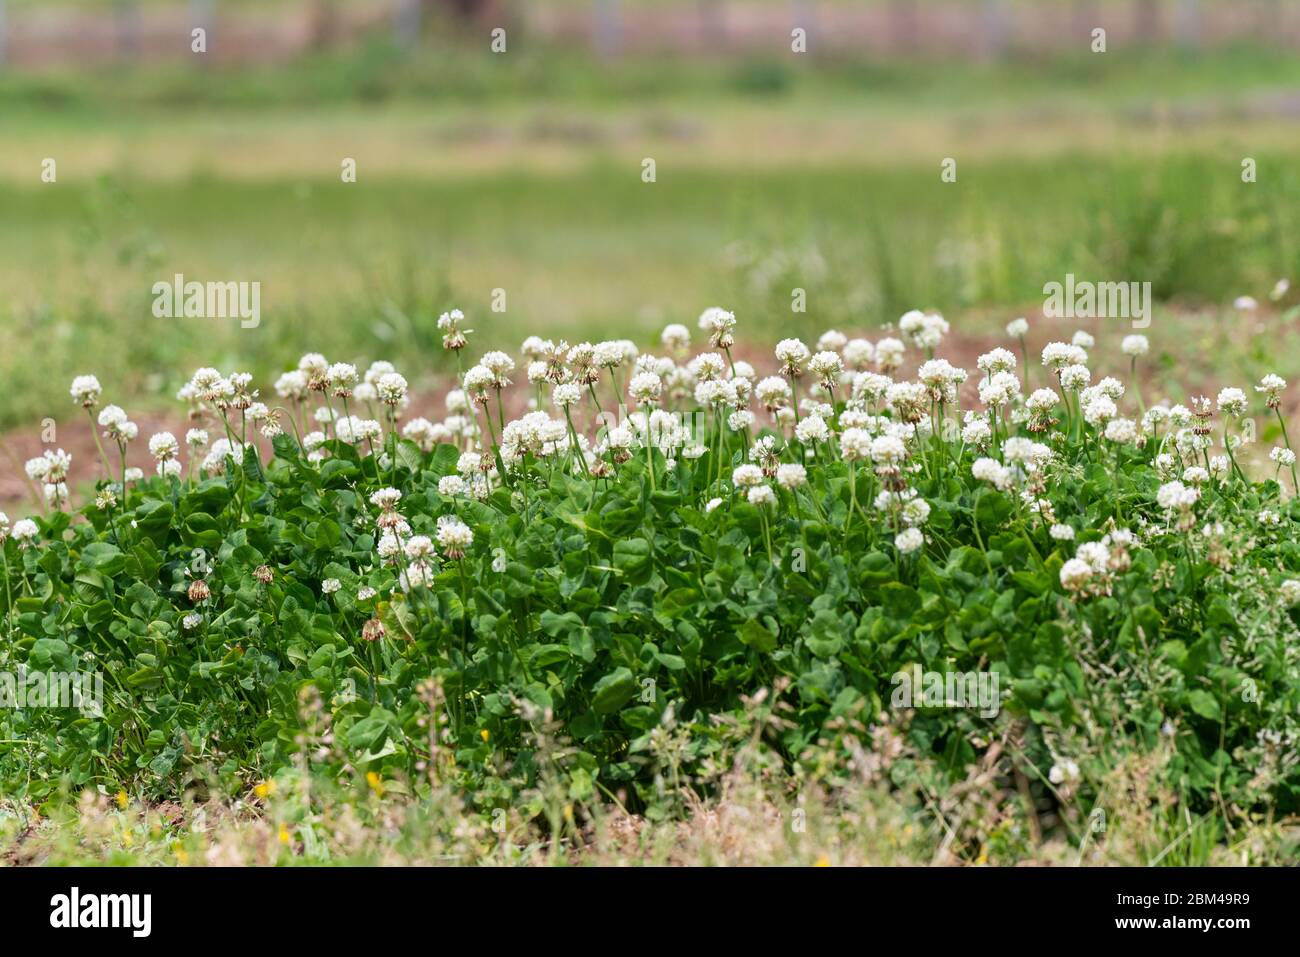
(406, 22)
(126, 18)
(997, 27)
(1187, 23)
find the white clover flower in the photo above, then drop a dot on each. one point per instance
(1175, 494)
(1076, 574)
(1233, 401)
(1268, 517)
(418, 547)
(86, 390)
(909, 540)
(1245, 303)
(791, 476)
(451, 485)
(832, 340)
(998, 360)
(887, 450)
(827, 366)
(813, 428)
(1063, 772)
(312, 363)
(1075, 377)
(416, 575)
(566, 394)
(855, 444)
(712, 504)
(999, 389)
(1096, 554)
(170, 468)
(1058, 355)
(292, 385)
(454, 536)
(746, 476)
(25, 531)
(1282, 456)
(915, 511)
(342, 376)
(391, 388)
(1017, 327)
(1083, 340)
(191, 621)
(1219, 465)
(792, 354)
(1289, 591)
(976, 432)
(889, 353)
(1100, 410)
(761, 495)
(740, 421)
(990, 470)
(707, 366)
(330, 585)
(1272, 385)
(675, 337)
(858, 353)
(386, 499)
(1062, 533)
(1041, 401)
(163, 446)
(1121, 431)
(1135, 346)
(215, 461)
(645, 388)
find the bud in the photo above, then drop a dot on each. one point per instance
(263, 574)
(199, 591)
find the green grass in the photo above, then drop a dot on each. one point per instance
(522, 173)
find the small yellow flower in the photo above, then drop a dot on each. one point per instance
(265, 789)
(122, 799)
(568, 812)
(376, 783)
(284, 834)
(823, 861)
(182, 855)
(485, 734)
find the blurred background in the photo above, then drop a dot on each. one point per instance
(522, 171)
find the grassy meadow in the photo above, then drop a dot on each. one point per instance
(523, 173)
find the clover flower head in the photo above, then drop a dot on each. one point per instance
(909, 540)
(86, 390)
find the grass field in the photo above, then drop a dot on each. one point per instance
(523, 173)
